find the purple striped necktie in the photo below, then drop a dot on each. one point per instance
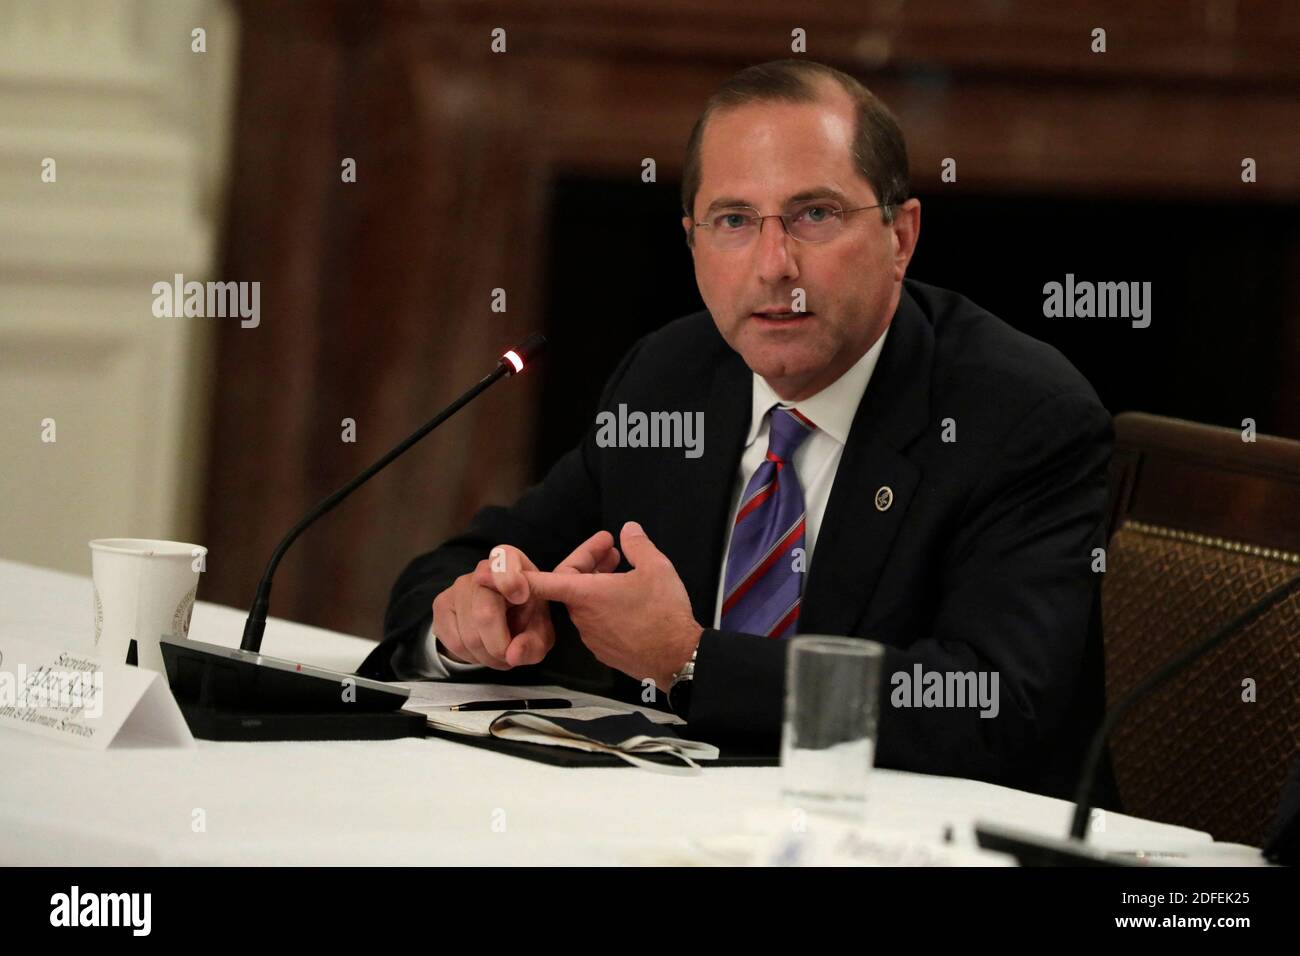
(763, 590)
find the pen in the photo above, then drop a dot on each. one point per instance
(536, 703)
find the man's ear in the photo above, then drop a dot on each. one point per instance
(907, 230)
(686, 225)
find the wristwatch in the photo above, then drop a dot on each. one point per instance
(679, 691)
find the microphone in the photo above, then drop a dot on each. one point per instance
(1032, 850)
(511, 363)
(218, 680)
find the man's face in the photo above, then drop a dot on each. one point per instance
(763, 154)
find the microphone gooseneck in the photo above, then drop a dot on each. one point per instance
(511, 362)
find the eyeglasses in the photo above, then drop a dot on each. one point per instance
(737, 226)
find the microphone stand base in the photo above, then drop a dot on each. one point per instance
(209, 723)
(226, 693)
(1031, 849)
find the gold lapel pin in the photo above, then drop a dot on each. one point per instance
(884, 498)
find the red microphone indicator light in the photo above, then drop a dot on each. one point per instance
(523, 354)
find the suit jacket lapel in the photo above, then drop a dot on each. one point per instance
(696, 522)
(857, 532)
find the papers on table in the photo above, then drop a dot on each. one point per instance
(476, 723)
(626, 738)
(434, 696)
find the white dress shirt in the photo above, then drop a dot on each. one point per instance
(816, 461)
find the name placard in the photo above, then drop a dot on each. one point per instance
(84, 701)
(791, 836)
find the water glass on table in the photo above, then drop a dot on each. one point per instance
(829, 736)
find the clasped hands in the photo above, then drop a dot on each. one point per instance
(639, 622)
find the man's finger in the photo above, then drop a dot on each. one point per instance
(503, 574)
(567, 588)
(610, 561)
(445, 624)
(592, 555)
(525, 648)
(637, 545)
(488, 617)
(484, 576)
(597, 553)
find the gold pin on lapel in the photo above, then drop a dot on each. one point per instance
(884, 498)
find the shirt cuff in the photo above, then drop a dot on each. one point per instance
(426, 662)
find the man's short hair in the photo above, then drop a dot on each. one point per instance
(879, 152)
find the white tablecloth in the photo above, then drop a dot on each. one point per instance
(412, 801)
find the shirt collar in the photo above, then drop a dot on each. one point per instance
(832, 409)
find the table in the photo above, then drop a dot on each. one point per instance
(413, 801)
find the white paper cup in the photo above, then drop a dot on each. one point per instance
(144, 589)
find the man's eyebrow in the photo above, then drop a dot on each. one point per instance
(820, 192)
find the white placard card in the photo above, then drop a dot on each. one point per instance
(85, 701)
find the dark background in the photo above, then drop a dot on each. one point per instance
(1218, 272)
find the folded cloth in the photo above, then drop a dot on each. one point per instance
(628, 736)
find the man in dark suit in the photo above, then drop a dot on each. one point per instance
(880, 459)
